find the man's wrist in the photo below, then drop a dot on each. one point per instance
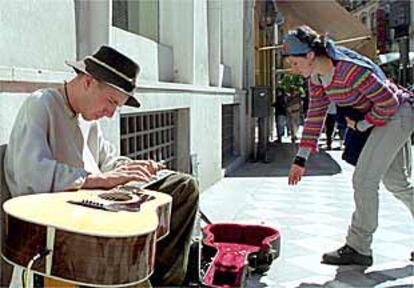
(93, 181)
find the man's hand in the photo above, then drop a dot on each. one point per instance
(146, 167)
(138, 170)
(111, 179)
(295, 174)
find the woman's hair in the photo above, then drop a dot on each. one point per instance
(315, 41)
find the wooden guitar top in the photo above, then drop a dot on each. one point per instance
(53, 209)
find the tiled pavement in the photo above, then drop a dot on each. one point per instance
(313, 218)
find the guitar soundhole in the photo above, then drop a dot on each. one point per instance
(115, 196)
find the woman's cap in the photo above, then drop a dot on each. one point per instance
(292, 45)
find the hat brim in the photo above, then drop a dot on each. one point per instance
(80, 67)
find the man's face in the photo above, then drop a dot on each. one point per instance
(100, 99)
(301, 65)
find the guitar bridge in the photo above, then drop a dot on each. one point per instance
(92, 204)
(113, 207)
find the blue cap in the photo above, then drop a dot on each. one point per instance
(293, 46)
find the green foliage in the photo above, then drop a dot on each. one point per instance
(291, 81)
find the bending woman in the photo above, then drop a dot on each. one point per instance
(342, 76)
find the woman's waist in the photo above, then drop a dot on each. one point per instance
(353, 112)
(405, 96)
(358, 111)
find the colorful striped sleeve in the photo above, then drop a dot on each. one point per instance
(318, 106)
(384, 99)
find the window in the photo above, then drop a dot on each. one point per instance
(364, 19)
(150, 136)
(136, 16)
(373, 22)
(229, 149)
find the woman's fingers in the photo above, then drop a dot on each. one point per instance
(295, 174)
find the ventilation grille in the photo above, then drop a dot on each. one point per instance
(150, 136)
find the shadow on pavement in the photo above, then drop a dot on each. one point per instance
(280, 157)
(355, 276)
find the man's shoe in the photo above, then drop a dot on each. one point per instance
(346, 255)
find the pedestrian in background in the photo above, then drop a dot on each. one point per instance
(280, 114)
(330, 125)
(334, 124)
(293, 111)
(340, 75)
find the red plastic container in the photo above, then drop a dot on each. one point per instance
(233, 244)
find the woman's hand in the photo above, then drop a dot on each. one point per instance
(295, 174)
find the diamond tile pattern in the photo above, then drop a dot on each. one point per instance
(313, 218)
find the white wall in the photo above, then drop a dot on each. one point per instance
(232, 39)
(37, 34)
(214, 41)
(200, 40)
(144, 51)
(176, 30)
(93, 21)
(165, 63)
(205, 121)
(155, 60)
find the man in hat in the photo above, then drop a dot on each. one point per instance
(56, 145)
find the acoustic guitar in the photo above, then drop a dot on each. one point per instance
(88, 237)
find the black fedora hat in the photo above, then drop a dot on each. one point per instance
(113, 68)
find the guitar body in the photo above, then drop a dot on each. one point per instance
(88, 246)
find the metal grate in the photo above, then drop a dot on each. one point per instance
(150, 136)
(227, 133)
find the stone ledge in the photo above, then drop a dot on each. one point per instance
(27, 80)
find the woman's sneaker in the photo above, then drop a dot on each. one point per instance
(346, 255)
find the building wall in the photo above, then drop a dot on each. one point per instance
(232, 47)
(367, 11)
(412, 27)
(214, 43)
(92, 22)
(37, 34)
(175, 71)
(176, 30)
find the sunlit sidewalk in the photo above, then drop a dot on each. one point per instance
(313, 218)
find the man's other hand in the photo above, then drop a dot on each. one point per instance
(137, 170)
(147, 167)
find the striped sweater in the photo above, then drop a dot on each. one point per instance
(352, 86)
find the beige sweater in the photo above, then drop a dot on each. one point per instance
(50, 149)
